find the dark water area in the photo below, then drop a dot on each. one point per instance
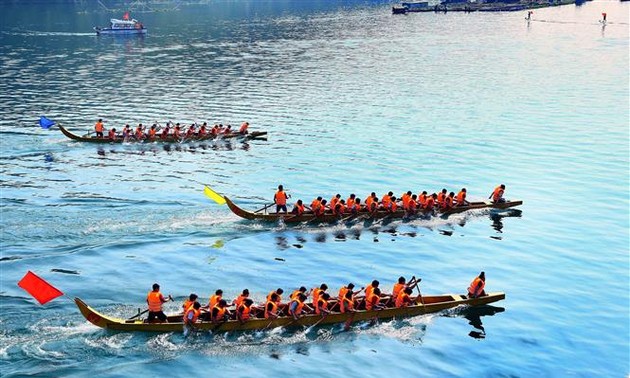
(355, 100)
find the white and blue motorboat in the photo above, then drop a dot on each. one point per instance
(122, 27)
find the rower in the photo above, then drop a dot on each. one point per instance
(422, 198)
(228, 130)
(449, 201)
(218, 295)
(192, 299)
(176, 132)
(404, 298)
(392, 206)
(387, 198)
(280, 199)
(243, 311)
(351, 201)
(220, 312)
(441, 197)
(203, 130)
(139, 134)
(112, 134)
(370, 288)
(317, 202)
(405, 198)
(271, 307)
(372, 301)
(322, 304)
(356, 207)
(461, 198)
(215, 130)
(317, 292)
(241, 298)
(191, 131)
(192, 314)
(402, 285)
(476, 287)
(497, 194)
(298, 208)
(152, 132)
(166, 131)
(243, 129)
(430, 202)
(155, 300)
(346, 304)
(278, 293)
(298, 305)
(301, 290)
(340, 207)
(99, 127)
(345, 289)
(321, 209)
(334, 201)
(412, 205)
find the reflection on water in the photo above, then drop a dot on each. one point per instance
(474, 315)
(496, 218)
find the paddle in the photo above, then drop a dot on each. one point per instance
(317, 323)
(147, 310)
(265, 208)
(418, 287)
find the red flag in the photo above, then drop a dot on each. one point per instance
(126, 16)
(38, 288)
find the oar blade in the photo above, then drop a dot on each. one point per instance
(216, 197)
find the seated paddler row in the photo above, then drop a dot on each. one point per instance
(322, 303)
(171, 130)
(408, 201)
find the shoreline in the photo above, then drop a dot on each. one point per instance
(405, 8)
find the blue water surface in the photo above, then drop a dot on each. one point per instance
(355, 100)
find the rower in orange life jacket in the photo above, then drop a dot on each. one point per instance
(99, 127)
(405, 198)
(402, 284)
(139, 132)
(112, 134)
(165, 131)
(176, 132)
(356, 207)
(351, 201)
(271, 307)
(278, 292)
(228, 130)
(333, 202)
(191, 131)
(497, 194)
(404, 298)
(461, 198)
(387, 198)
(280, 199)
(152, 131)
(155, 299)
(412, 205)
(322, 304)
(372, 301)
(422, 198)
(220, 312)
(243, 129)
(203, 130)
(340, 207)
(441, 197)
(243, 311)
(298, 305)
(317, 292)
(192, 314)
(449, 201)
(430, 202)
(346, 303)
(317, 202)
(215, 130)
(192, 298)
(321, 209)
(298, 208)
(477, 285)
(218, 295)
(241, 298)
(392, 206)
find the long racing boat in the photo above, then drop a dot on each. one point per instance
(170, 139)
(381, 213)
(423, 305)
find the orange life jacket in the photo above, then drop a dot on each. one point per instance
(154, 299)
(214, 300)
(220, 312)
(340, 208)
(386, 200)
(280, 198)
(333, 202)
(448, 202)
(473, 289)
(393, 206)
(322, 304)
(461, 197)
(412, 205)
(274, 292)
(300, 306)
(430, 203)
(368, 202)
(239, 300)
(397, 289)
(112, 134)
(152, 132)
(350, 203)
(422, 199)
(294, 295)
(497, 194)
(346, 304)
(368, 290)
(274, 309)
(342, 293)
(187, 304)
(440, 198)
(98, 127)
(243, 128)
(371, 300)
(300, 209)
(315, 205)
(195, 313)
(244, 311)
(405, 200)
(402, 300)
(316, 293)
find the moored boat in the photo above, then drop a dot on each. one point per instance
(330, 217)
(122, 27)
(427, 305)
(169, 139)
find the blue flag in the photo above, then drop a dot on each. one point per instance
(45, 123)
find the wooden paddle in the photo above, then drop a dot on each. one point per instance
(265, 208)
(419, 294)
(147, 310)
(314, 325)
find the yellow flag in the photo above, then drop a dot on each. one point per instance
(216, 197)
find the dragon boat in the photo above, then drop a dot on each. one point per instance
(421, 306)
(381, 213)
(170, 139)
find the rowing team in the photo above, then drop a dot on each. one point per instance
(322, 303)
(409, 202)
(169, 131)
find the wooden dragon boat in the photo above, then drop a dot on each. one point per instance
(330, 217)
(170, 139)
(429, 304)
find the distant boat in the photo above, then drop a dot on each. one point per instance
(122, 27)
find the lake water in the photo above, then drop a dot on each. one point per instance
(355, 100)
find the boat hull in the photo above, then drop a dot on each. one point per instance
(108, 31)
(431, 304)
(170, 139)
(329, 217)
